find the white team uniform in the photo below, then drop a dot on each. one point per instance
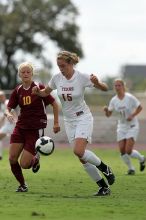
(77, 116)
(7, 127)
(125, 107)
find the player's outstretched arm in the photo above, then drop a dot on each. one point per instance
(41, 92)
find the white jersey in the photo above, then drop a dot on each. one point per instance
(71, 94)
(3, 107)
(125, 107)
(7, 127)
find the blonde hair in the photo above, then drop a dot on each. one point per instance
(122, 83)
(69, 57)
(25, 64)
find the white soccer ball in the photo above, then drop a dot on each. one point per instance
(45, 145)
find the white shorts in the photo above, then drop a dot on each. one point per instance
(7, 128)
(81, 128)
(128, 132)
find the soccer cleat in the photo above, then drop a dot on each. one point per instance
(1, 157)
(109, 176)
(131, 172)
(103, 191)
(22, 188)
(36, 165)
(142, 164)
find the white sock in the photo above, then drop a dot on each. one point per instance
(1, 149)
(90, 157)
(92, 171)
(137, 155)
(127, 161)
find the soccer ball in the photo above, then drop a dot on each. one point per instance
(45, 145)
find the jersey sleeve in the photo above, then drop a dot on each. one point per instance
(13, 101)
(111, 105)
(135, 101)
(52, 82)
(48, 99)
(85, 79)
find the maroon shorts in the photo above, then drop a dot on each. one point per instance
(26, 136)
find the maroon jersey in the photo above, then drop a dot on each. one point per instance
(32, 107)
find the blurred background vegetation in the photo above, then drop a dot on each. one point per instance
(24, 25)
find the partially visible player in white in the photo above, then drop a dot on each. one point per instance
(6, 127)
(70, 85)
(128, 107)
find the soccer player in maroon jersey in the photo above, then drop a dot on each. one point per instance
(30, 125)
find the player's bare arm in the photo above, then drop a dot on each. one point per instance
(56, 127)
(41, 92)
(135, 113)
(98, 84)
(107, 112)
(10, 114)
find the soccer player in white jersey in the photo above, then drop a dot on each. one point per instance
(6, 127)
(70, 85)
(128, 107)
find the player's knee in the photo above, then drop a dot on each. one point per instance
(79, 153)
(25, 164)
(128, 151)
(122, 152)
(12, 159)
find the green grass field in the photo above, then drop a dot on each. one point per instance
(63, 191)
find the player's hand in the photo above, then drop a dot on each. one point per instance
(35, 90)
(97, 83)
(94, 79)
(130, 117)
(107, 112)
(10, 118)
(105, 108)
(56, 128)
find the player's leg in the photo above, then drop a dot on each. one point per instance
(121, 139)
(2, 135)
(6, 129)
(36, 163)
(142, 160)
(134, 153)
(16, 148)
(125, 157)
(90, 157)
(14, 153)
(30, 158)
(92, 171)
(83, 133)
(79, 133)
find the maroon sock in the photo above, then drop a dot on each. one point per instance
(16, 170)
